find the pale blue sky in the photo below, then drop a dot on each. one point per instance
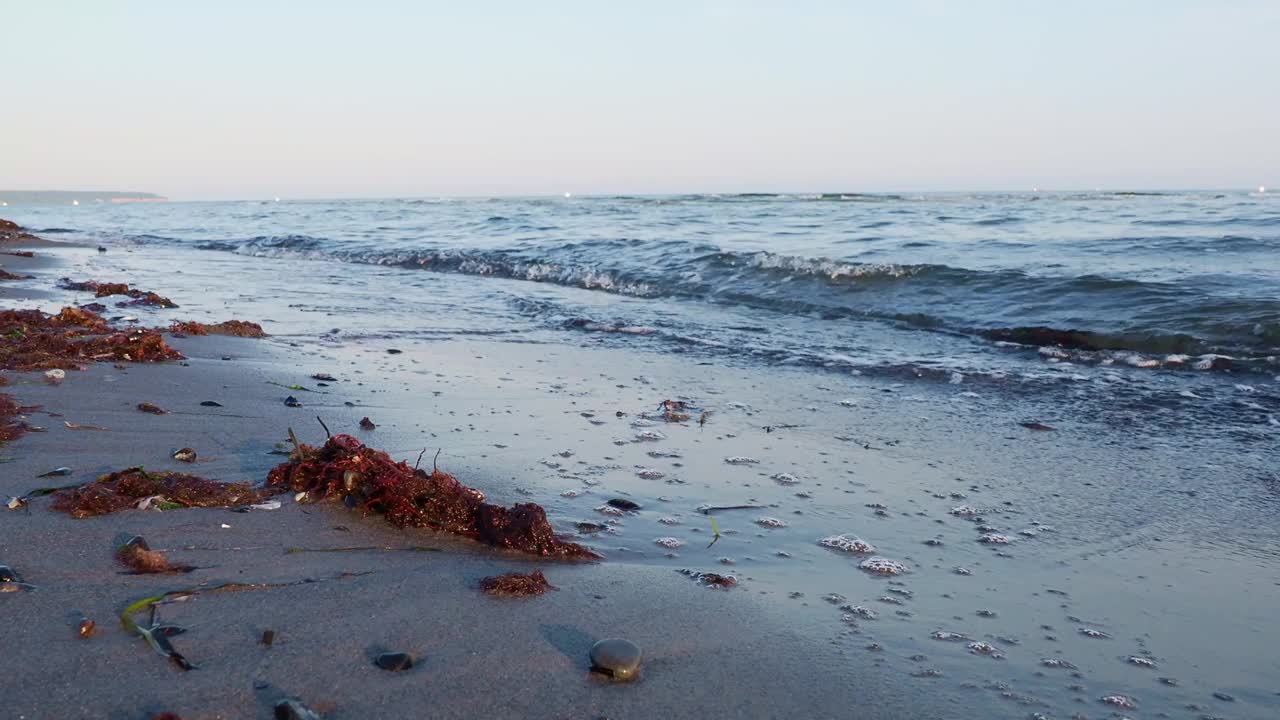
(380, 98)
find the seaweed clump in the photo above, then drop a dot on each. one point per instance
(237, 328)
(6, 275)
(516, 584)
(344, 468)
(138, 556)
(136, 487)
(37, 341)
(140, 297)
(11, 428)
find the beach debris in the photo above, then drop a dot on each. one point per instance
(293, 709)
(622, 504)
(877, 565)
(1096, 634)
(946, 636)
(715, 580)
(609, 510)
(324, 377)
(649, 436)
(669, 543)
(667, 520)
(409, 497)
(186, 455)
(13, 502)
(268, 637)
(85, 628)
(674, 410)
(650, 474)
(292, 402)
(994, 539)
(394, 661)
(367, 424)
(1036, 426)
(963, 511)
(770, 522)
(76, 426)
(516, 584)
(211, 403)
(56, 472)
(1141, 661)
(267, 506)
(157, 635)
(1057, 663)
(708, 509)
(10, 581)
(11, 428)
(147, 407)
(587, 528)
(236, 328)
(138, 556)
(140, 297)
(72, 338)
(55, 376)
(135, 487)
(394, 351)
(616, 658)
(848, 543)
(783, 478)
(740, 460)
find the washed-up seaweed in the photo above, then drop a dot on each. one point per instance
(408, 497)
(138, 556)
(157, 635)
(140, 297)
(516, 584)
(72, 338)
(237, 328)
(6, 275)
(11, 428)
(136, 487)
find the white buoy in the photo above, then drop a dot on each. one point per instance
(568, 195)
(75, 202)
(1262, 189)
(277, 199)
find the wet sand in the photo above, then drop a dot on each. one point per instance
(1165, 547)
(724, 653)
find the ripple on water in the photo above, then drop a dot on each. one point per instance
(669, 542)
(1123, 702)
(650, 474)
(740, 460)
(995, 539)
(783, 478)
(770, 522)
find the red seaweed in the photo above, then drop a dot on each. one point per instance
(516, 584)
(11, 428)
(124, 489)
(408, 497)
(237, 328)
(140, 297)
(73, 337)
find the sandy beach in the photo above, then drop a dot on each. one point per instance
(1045, 570)
(706, 650)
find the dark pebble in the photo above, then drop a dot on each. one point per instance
(367, 424)
(8, 575)
(617, 658)
(1224, 697)
(292, 401)
(294, 710)
(268, 637)
(211, 403)
(623, 504)
(394, 661)
(393, 351)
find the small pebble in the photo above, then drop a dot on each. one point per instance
(394, 661)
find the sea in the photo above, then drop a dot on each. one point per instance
(1090, 381)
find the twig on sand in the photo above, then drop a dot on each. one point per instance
(419, 460)
(327, 434)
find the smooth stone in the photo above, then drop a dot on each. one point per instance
(8, 575)
(394, 661)
(617, 658)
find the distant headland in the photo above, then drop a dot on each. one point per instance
(76, 197)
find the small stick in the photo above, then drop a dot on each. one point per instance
(327, 434)
(419, 460)
(433, 461)
(293, 439)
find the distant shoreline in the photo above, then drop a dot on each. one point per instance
(61, 197)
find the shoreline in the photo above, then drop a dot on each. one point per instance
(477, 656)
(1116, 513)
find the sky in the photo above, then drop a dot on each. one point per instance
(380, 98)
